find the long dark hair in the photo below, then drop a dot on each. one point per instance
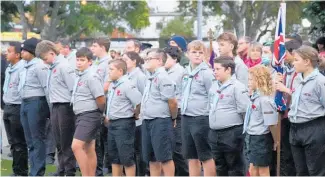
(135, 56)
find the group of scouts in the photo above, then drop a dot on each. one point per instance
(209, 120)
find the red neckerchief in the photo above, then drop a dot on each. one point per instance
(250, 63)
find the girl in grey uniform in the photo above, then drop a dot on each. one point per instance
(228, 99)
(88, 104)
(138, 78)
(307, 114)
(260, 121)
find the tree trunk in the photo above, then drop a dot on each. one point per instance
(24, 22)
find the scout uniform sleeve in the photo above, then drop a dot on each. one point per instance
(321, 91)
(69, 77)
(167, 89)
(96, 86)
(241, 97)
(270, 115)
(208, 78)
(242, 74)
(41, 73)
(141, 82)
(134, 95)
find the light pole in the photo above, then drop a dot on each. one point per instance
(199, 19)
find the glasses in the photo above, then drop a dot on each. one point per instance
(150, 58)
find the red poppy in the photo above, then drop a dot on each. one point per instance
(196, 76)
(54, 71)
(155, 80)
(253, 106)
(221, 96)
(118, 92)
(79, 83)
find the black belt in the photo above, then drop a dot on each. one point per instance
(54, 104)
(12, 104)
(33, 98)
(228, 128)
(86, 112)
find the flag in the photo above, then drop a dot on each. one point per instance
(211, 60)
(279, 53)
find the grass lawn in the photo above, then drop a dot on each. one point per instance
(6, 168)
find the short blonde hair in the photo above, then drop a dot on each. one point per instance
(308, 53)
(45, 46)
(263, 79)
(255, 45)
(231, 38)
(196, 45)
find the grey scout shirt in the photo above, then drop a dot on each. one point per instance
(162, 89)
(231, 106)
(101, 68)
(126, 97)
(61, 81)
(263, 115)
(176, 74)
(138, 78)
(12, 95)
(311, 104)
(241, 71)
(198, 98)
(36, 78)
(88, 89)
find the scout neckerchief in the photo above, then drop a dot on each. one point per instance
(249, 110)
(218, 94)
(11, 69)
(148, 84)
(297, 92)
(78, 77)
(24, 72)
(98, 61)
(111, 92)
(188, 85)
(49, 72)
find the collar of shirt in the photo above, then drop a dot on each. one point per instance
(134, 72)
(120, 81)
(56, 62)
(13, 68)
(158, 71)
(81, 73)
(202, 65)
(173, 68)
(230, 81)
(72, 53)
(101, 60)
(310, 77)
(255, 95)
(32, 62)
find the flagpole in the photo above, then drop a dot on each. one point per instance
(278, 139)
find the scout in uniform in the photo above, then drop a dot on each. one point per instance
(122, 108)
(260, 121)
(287, 82)
(88, 104)
(11, 111)
(135, 73)
(60, 80)
(227, 102)
(196, 84)
(64, 47)
(159, 109)
(100, 48)
(306, 114)
(176, 72)
(227, 43)
(34, 108)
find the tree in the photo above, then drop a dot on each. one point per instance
(248, 18)
(8, 11)
(180, 26)
(55, 19)
(315, 13)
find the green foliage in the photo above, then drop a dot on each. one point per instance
(8, 11)
(71, 18)
(180, 26)
(315, 13)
